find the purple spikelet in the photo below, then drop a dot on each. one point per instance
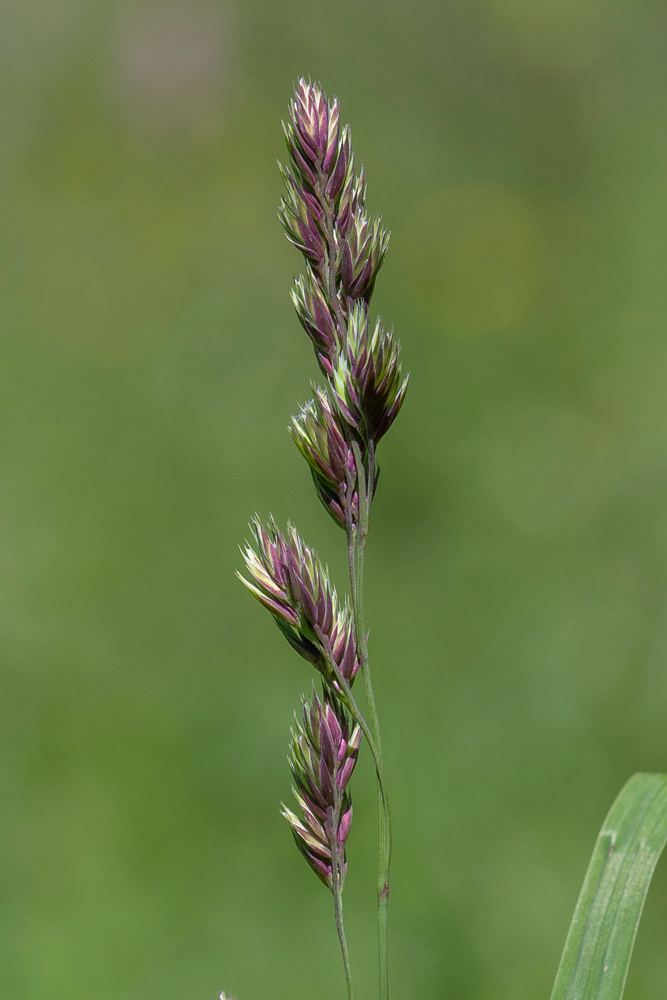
(368, 387)
(317, 320)
(287, 577)
(324, 217)
(322, 757)
(320, 437)
(363, 248)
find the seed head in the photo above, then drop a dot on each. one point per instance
(367, 387)
(322, 757)
(312, 131)
(319, 437)
(287, 577)
(320, 184)
(323, 213)
(320, 156)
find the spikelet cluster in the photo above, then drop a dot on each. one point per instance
(323, 754)
(289, 580)
(368, 388)
(324, 215)
(320, 439)
(323, 210)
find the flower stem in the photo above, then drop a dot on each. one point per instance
(337, 885)
(356, 545)
(357, 536)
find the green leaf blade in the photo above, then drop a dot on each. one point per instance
(597, 952)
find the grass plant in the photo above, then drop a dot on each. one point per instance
(337, 432)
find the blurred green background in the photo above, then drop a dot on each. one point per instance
(517, 569)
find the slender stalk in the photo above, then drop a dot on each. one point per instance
(337, 883)
(356, 546)
(338, 906)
